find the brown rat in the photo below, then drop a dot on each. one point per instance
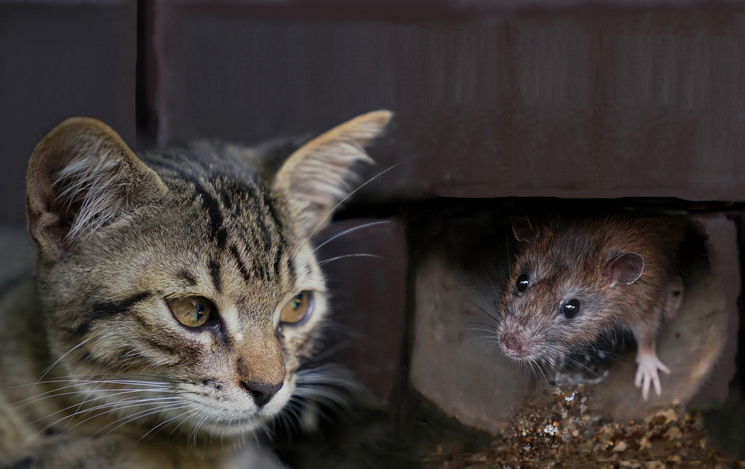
(579, 277)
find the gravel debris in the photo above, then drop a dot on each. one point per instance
(563, 429)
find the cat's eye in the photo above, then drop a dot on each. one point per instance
(522, 283)
(570, 308)
(193, 311)
(298, 308)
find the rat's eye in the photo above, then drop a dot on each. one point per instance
(192, 311)
(522, 283)
(570, 308)
(298, 308)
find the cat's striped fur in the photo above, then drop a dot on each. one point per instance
(96, 370)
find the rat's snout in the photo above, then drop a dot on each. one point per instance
(512, 345)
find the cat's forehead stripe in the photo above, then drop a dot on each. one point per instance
(212, 207)
(241, 265)
(241, 215)
(214, 268)
(108, 309)
(187, 277)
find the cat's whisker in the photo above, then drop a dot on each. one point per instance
(350, 230)
(116, 405)
(332, 259)
(50, 367)
(333, 374)
(195, 430)
(267, 431)
(56, 394)
(144, 413)
(184, 420)
(323, 221)
(164, 423)
(329, 385)
(105, 408)
(87, 401)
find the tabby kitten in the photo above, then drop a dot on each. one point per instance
(174, 300)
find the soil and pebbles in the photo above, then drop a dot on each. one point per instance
(561, 429)
(564, 430)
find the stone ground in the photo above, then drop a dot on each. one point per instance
(558, 429)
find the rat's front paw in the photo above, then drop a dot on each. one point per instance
(647, 373)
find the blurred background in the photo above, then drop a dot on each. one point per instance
(496, 102)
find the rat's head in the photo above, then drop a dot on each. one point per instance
(561, 290)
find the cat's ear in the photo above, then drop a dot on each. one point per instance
(318, 176)
(82, 176)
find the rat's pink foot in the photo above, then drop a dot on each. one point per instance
(647, 373)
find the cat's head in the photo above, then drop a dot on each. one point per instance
(183, 287)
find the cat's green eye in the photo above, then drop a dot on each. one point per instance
(192, 311)
(298, 308)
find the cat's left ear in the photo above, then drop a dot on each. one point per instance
(81, 177)
(318, 176)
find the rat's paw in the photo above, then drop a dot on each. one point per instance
(647, 373)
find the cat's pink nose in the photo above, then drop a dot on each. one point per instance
(261, 392)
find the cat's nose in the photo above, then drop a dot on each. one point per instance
(261, 392)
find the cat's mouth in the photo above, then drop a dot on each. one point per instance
(224, 422)
(234, 426)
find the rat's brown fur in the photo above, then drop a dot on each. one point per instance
(568, 258)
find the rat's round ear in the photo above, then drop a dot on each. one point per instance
(524, 230)
(624, 269)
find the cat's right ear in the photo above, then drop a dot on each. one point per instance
(318, 176)
(82, 176)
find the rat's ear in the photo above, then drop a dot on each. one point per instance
(624, 269)
(81, 177)
(524, 230)
(319, 174)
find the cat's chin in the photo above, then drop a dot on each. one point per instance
(236, 424)
(233, 428)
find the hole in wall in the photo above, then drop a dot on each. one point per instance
(463, 253)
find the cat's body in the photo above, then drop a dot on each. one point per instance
(173, 301)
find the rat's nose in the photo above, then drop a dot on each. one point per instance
(261, 392)
(511, 346)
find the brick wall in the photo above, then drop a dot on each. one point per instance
(563, 99)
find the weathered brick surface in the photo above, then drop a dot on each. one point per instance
(601, 103)
(586, 102)
(57, 62)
